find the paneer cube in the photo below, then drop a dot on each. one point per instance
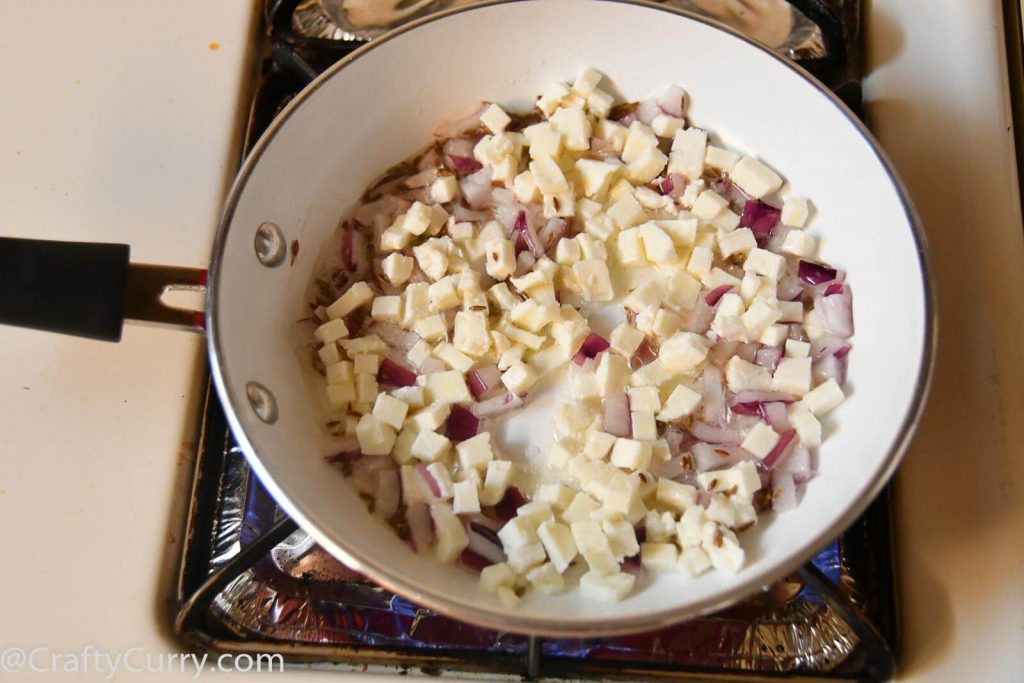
(743, 376)
(644, 398)
(558, 543)
(688, 151)
(518, 532)
(593, 545)
(390, 410)
(496, 576)
(465, 498)
(606, 587)
(495, 118)
(331, 331)
(448, 387)
(760, 440)
(374, 435)
(430, 446)
(631, 454)
(659, 557)
(546, 579)
(674, 495)
(792, 376)
(794, 212)
(519, 378)
(475, 453)
(684, 351)
(500, 257)
(496, 481)
(764, 262)
(806, 425)
(709, 204)
(824, 397)
(430, 417)
(450, 536)
(754, 178)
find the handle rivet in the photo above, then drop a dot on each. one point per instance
(262, 402)
(270, 245)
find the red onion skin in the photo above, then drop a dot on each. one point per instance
(472, 560)
(834, 288)
(483, 381)
(462, 165)
(645, 354)
(421, 527)
(667, 185)
(435, 488)
(593, 345)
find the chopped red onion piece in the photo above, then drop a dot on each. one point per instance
(780, 448)
(798, 462)
(748, 396)
(667, 185)
(498, 405)
(748, 351)
(673, 101)
(485, 543)
(389, 493)
(467, 124)
(477, 188)
(421, 179)
(835, 313)
(776, 415)
(474, 560)
(707, 457)
(760, 218)
(841, 353)
(462, 424)
(617, 418)
(632, 565)
(520, 222)
(753, 408)
(510, 503)
(722, 351)
(593, 345)
(713, 408)
(428, 478)
(716, 435)
(395, 374)
(466, 214)
(717, 293)
(483, 380)
(462, 165)
(768, 357)
(393, 335)
(679, 441)
(670, 469)
(700, 317)
(646, 112)
(646, 353)
(815, 273)
(421, 527)
(834, 288)
(784, 492)
(829, 367)
(552, 231)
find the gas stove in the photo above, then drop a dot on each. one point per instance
(250, 581)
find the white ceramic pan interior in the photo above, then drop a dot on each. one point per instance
(374, 109)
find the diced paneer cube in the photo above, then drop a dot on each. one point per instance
(760, 440)
(359, 294)
(684, 351)
(644, 398)
(450, 535)
(722, 548)
(390, 410)
(709, 204)
(387, 308)
(743, 476)
(519, 378)
(688, 151)
(764, 262)
(824, 397)
(546, 578)
(806, 425)
(680, 403)
(375, 436)
(612, 374)
(496, 481)
(500, 257)
(792, 376)
(644, 426)
(558, 496)
(598, 445)
(675, 495)
(522, 559)
(475, 453)
(331, 331)
(444, 189)
(720, 159)
(626, 212)
(658, 245)
(659, 557)
(580, 508)
(508, 597)
(797, 349)
(799, 243)
(496, 576)
(593, 545)
(794, 212)
(606, 587)
(430, 417)
(430, 446)
(754, 178)
(646, 167)
(465, 498)
(518, 532)
(558, 542)
(431, 260)
(631, 454)
(495, 118)
(665, 126)
(742, 376)
(738, 241)
(366, 364)
(448, 387)
(342, 371)
(693, 561)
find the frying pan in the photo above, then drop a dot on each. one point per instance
(376, 107)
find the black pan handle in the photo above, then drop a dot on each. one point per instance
(88, 289)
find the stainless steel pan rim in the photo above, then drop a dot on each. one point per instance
(748, 582)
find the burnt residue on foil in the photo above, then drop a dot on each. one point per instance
(775, 23)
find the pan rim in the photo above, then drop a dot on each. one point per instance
(484, 615)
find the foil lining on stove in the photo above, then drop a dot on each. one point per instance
(775, 23)
(300, 594)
